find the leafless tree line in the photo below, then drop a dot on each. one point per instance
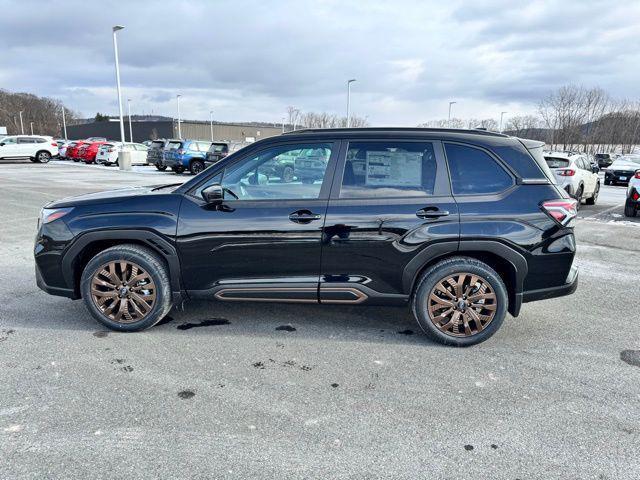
(44, 112)
(298, 119)
(570, 118)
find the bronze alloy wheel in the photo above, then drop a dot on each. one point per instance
(123, 291)
(462, 304)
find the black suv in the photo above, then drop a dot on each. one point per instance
(461, 226)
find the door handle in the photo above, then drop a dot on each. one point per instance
(431, 212)
(304, 216)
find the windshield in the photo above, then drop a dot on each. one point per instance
(217, 148)
(174, 145)
(630, 159)
(555, 162)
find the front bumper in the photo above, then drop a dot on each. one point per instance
(51, 290)
(568, 288)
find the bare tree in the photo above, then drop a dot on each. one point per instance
(45, 113)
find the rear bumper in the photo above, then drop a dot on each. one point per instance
(545, 293)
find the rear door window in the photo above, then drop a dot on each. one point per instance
(475, 172)
(389, 169)
(174, 145)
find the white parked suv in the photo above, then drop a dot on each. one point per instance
(108, 153)
(38, 148)
(632, 203)
(576, 175)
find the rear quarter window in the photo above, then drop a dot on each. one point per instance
(475, 172)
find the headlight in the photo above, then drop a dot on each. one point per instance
(48, 215)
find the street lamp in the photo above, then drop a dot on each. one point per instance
(115, 53)
(21, 124)
(349, 82)
(64, 124)
(449, 120)
(282, 124)
(130, 127)
(501, 116)
(31, 124)
(211, 123)
(179, 128)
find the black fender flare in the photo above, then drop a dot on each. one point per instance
(154, 241)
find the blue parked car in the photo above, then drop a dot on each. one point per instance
(183, 155)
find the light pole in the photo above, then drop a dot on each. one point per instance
(179, 128)
(449, 119)
(115, 53)
(282, 124)
(64, 124)
(501, 116)
(349, 82)
(21, 124)
(31, 124)
(129, 113)
(211, 123)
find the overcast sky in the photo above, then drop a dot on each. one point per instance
(249, 60)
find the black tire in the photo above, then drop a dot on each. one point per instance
(594, 197)
(441, 271)
(630, 209)
(177, 170)
(578, 196)
(43, 156)
(196, 166)
(161, 167)
(308, 181)
(151, 263)
(76, 160)
(287, 174)
(607, 181)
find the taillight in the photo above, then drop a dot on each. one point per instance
(635, 196)
(54, 144)
(562, 211)
(566, 173)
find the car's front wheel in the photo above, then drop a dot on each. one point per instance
(594, 197)
(460, 301)
(630, 209)
(43, 157)
(126, 288)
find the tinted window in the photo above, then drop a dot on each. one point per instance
(388, 169)
(26, 140)
(174, 145)
(9, 140)
(473, 171)
(279, 173)
(555, 162)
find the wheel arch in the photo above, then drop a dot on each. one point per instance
(91, 243)
(508, 263)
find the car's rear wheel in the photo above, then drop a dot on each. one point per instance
(43, 157)
(578, 197)
(161, 167)
(630, 209)
(460, 301)
(594, 197)
(196, 166)
(126, 288)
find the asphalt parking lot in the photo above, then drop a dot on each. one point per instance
(289, 391)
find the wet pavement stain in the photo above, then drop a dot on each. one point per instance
(334, 385)
(212, 322)
(286, 328)
(4, 334)
(101, 334)
(127, 368)
(632, 357)
(186, 394)
(406, 332)
(494, 446)
(468, 448)
(258, 365)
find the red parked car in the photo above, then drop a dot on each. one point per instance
(72, 150)
(88, 151)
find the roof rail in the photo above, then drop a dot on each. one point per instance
(397, 129)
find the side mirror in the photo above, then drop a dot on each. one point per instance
(213, 194)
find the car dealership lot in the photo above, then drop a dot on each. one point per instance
(233, 390)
